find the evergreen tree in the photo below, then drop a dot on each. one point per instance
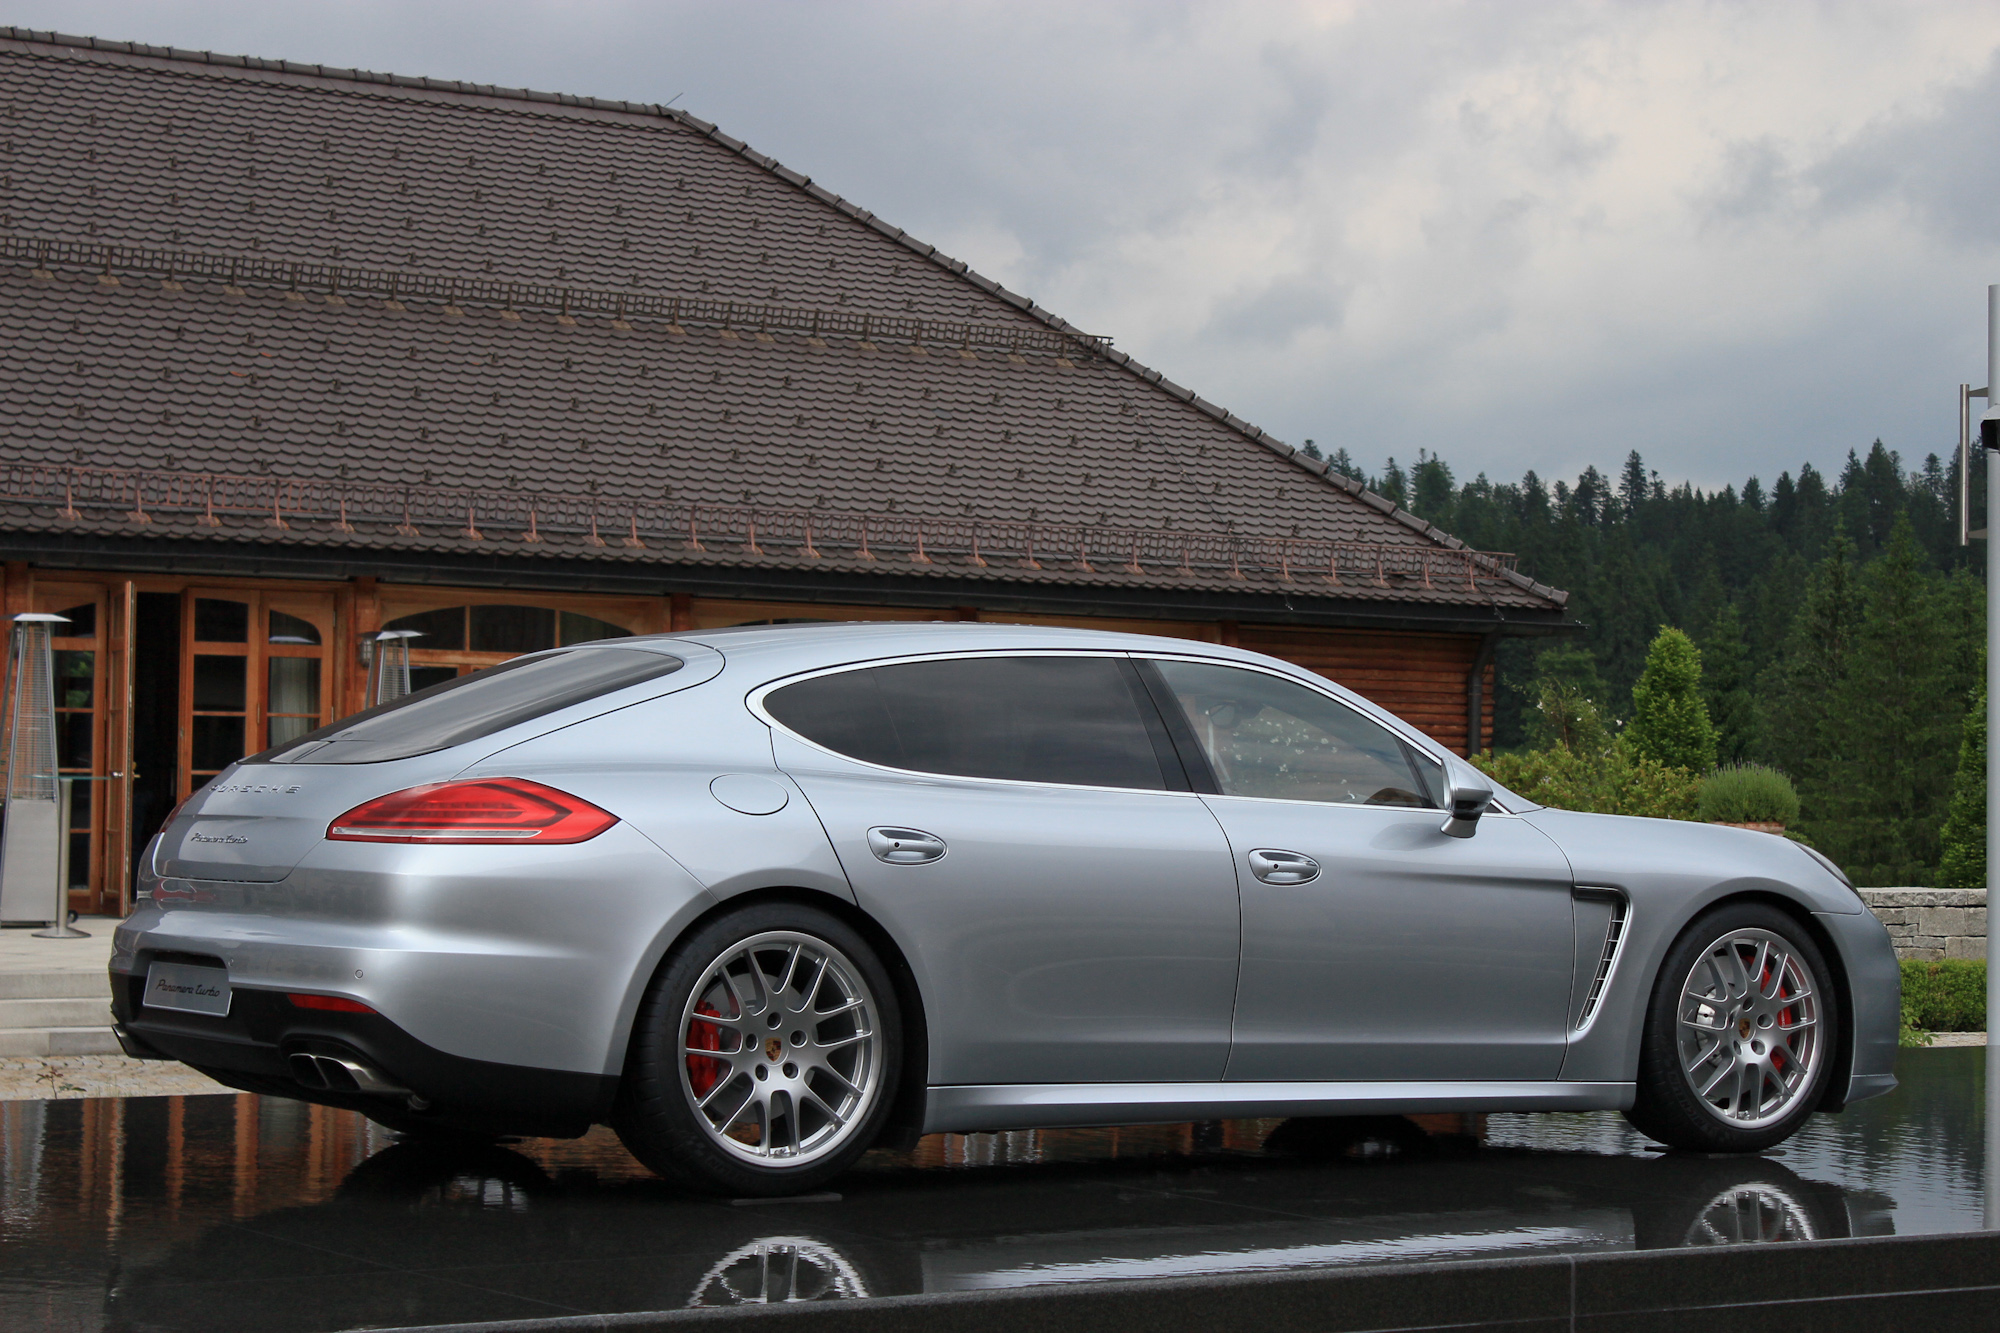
(1889, 725)
(1725, 686)
(1963, 863)
(1669, 720)
(1568, 701)
(1394, 486)
(1431, 489)
(1812, 666)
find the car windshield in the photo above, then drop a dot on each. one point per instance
(473, 706)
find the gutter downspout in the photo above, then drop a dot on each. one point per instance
(1475, 692)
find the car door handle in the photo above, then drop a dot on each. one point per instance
(1276, 867)
(905, 846)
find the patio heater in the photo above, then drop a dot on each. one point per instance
(31, 844)
(1989, 444)
(389, 670)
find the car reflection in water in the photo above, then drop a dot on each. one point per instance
(228, 1213)
(1262, 1197)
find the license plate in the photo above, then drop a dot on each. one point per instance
(187, 986)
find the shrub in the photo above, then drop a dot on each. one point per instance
(1747, 794)
(1669, 718)
(1947, 996)
(1613, 782)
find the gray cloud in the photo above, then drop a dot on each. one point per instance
(1537, 235)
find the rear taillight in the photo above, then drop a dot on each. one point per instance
(480, 810)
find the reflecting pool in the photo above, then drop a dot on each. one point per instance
(232, 1213)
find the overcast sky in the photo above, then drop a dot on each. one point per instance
(1733, 236)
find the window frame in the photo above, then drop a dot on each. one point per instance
(755, 701)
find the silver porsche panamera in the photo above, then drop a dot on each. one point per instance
(764, 898)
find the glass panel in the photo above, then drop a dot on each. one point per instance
(220, 684)
(442, 629)
(1270, 737)
(73, 740)
(217, 621)
(218, 742)
(423, 677)
(79, 804)
(294, 686)
(74, 670)
(512, 629)
(478, 705)
(82, 622)
(579, 628)
(1031, 719)
(79, 861)
(284, 730)
(291, 629)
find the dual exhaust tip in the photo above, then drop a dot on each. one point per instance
(340, 1073)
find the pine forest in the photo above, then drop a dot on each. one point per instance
(1836, 628)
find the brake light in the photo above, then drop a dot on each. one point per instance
(473, 810)
(337, 1003)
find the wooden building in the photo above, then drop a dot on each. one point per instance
(296, 354)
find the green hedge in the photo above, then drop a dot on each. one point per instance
(1948, 996)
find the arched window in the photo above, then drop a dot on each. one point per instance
(466, 638)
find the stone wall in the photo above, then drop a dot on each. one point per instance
(1932, 923)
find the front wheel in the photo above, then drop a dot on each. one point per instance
(1740, 1033)
(765, 1056)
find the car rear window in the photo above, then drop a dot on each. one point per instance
(473, 706)
(1076, 720)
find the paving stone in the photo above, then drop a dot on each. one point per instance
(46, 1078)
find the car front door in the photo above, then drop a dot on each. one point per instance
(1021, 825)
(1375, 947)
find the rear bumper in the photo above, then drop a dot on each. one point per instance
(255, 1047)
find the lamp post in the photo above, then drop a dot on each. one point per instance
(1989, 444)
(389, 674)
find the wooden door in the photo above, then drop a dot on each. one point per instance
(85, 698)
(255, 672)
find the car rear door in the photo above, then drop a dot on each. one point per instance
(1375, 947)
(1021, 825)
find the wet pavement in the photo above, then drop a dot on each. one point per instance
(225, 1213)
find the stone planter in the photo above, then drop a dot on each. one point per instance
(1760, 827)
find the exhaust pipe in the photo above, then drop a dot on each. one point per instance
(338, 1073)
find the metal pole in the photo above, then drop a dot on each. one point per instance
(60, 928)
(1992, 769)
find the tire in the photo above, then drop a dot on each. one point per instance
(765, 1057)
(1740, 1035)
(1712, 1201)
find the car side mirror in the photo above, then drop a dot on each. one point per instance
(1467, 805)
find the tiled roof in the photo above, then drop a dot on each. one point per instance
(547, 309)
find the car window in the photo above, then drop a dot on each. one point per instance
(1080, 720)
(1267, 736)
(469, 707)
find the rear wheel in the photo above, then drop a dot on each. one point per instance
(765, 1056)
(1739, 1033)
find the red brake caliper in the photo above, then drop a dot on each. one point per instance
(703, 1073)
(1784, 1018)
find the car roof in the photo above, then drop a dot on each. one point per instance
(828, 643)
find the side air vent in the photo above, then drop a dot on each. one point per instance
(1614, 935)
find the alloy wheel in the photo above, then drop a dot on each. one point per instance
(781, 1052)
(1748, 1027)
